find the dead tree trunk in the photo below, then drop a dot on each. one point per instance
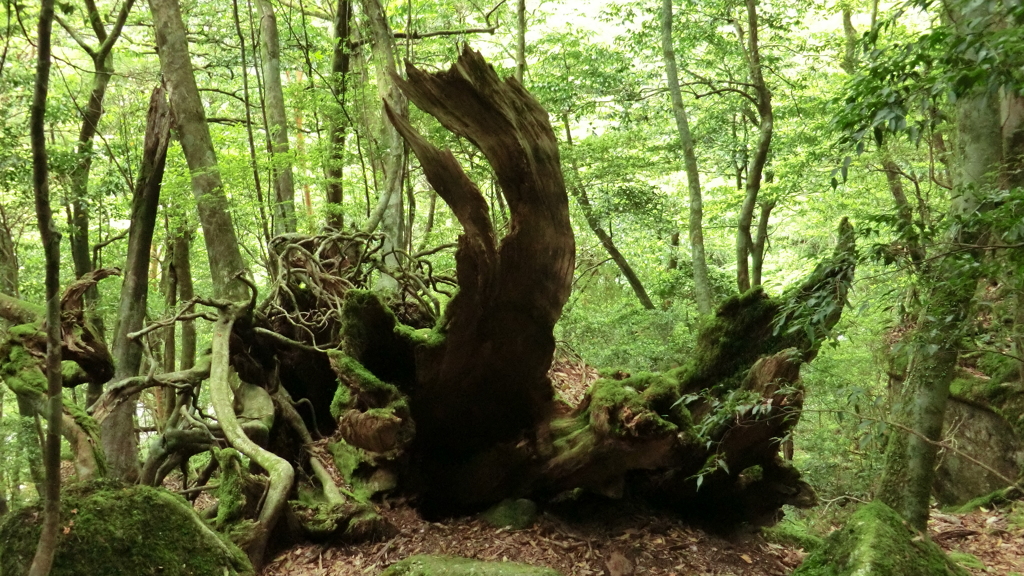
(487, 383)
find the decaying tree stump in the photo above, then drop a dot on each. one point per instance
(463, 415)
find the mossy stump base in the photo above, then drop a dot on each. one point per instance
(426, 565)
(116, 530)
(877, 541)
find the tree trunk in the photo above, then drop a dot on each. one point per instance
(580, 192)
(761, 241)
(277, 120)
(755, 168)
(701, 283)
(8, 257)
(43, 558)
(337, 123)
(849, 63)
(389, 209)
(120, 443)
(487, 382)
(520, 40)
(951, 280)
(183, 276)
(194, 134)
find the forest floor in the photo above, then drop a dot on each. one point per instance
(623, 541)
(619, 538)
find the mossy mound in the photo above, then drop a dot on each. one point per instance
(515, 514)
(876, 541)
(116, 530)
(426, 565)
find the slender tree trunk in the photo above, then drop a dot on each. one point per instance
(337, 122)
(580, 192)
(253, 163)
(194, 134)
(165, 397)
(701, 283)
(8, 257)
(389, 209)
(43, 558)
(952, 281)
(520, 40)
(120, 443)
(850, 35)
(755, 168)
(761, 241)
(277, 121)
(183, 277)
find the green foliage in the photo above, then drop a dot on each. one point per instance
(622, 334)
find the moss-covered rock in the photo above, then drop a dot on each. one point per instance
(116, 530)
(876, 541)
(515, 514)
(425, 565)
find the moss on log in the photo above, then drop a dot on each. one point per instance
(877, 541)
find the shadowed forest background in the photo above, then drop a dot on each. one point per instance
(286, 273)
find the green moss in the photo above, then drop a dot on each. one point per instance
(424, 565)
(999, 368)
(348, 459)
(427, 337)
(876, 541)
(89, 425)
(21, 371)
(990, 500)
(358, 383)
(966, 560)
(230, 493)
(118, 530)
(515, 514)
(793, 532)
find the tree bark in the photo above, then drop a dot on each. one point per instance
(849, 62)
(43, 559)
(951, 280)
(701, 283)
(761, 241)
(120, 443)
(755, 168)
(277, 121)
(388, 212)
(487, 383)
(183, 275)
(8, 257)
(337, 122)
(194, 134)
(520, 40)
